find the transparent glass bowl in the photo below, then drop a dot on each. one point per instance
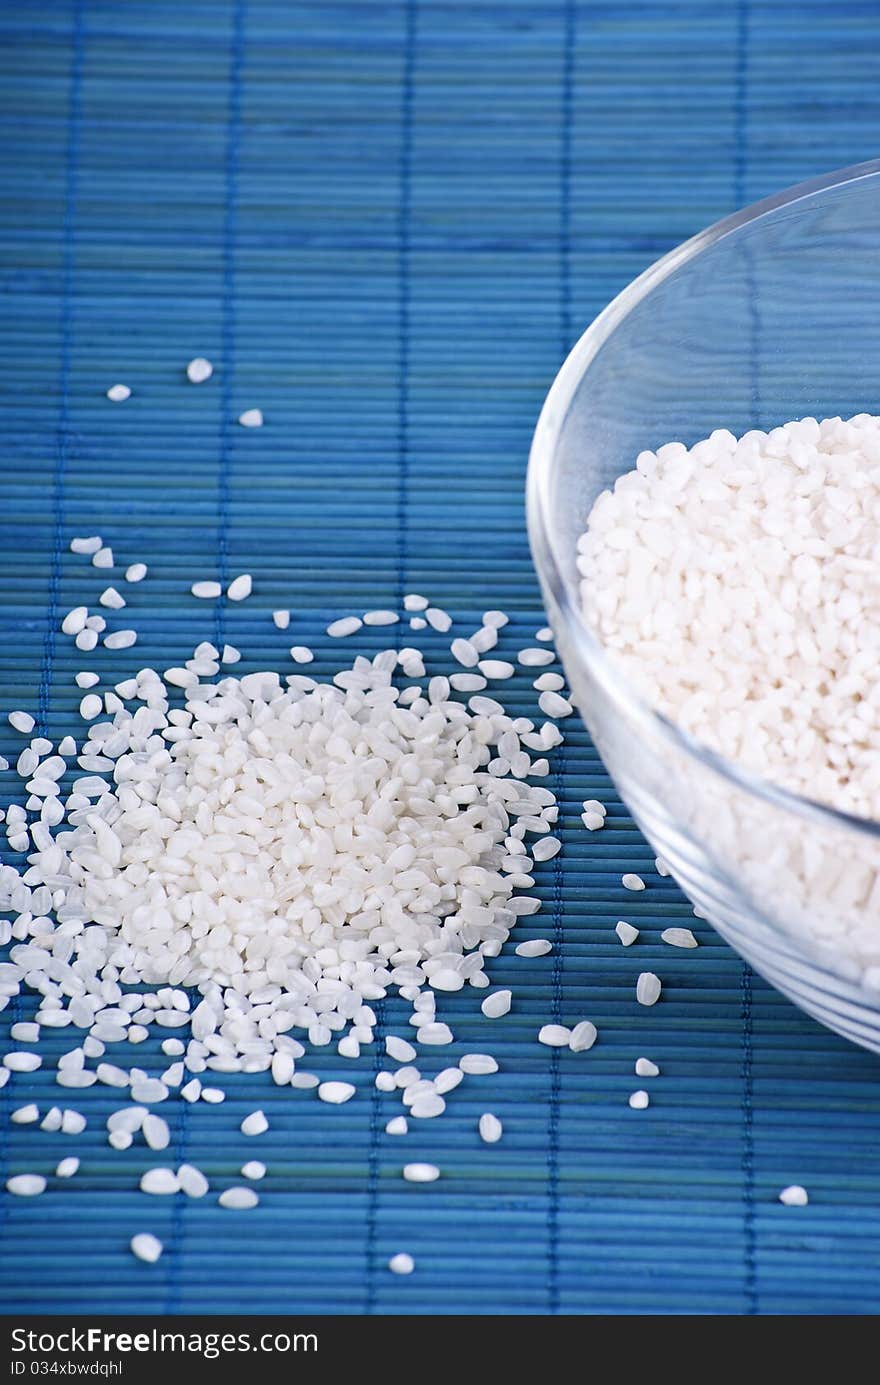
(771, 315)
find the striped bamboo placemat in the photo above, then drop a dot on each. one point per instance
(385, 223)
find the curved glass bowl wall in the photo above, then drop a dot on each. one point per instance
(769, 316)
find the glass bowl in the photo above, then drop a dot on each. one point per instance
(768, 316)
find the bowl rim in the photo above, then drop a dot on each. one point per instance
(550, 420)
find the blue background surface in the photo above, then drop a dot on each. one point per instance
(386, 223)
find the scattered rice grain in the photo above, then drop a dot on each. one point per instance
(199, 370)
(238, 1199)
(534, 947)
(438, 619)
(648, 988)
(347, 625)
(25, 1115)
(498, 669)
(478, 1064)
(792, 1196)
(26, 1184)
(490, 1128)
(192, 1181)
(336, 1092)
(552, 704)
(240, 587)
(160, 1182)
(679, 937)
(421, 1173)
(497, 1004)
(257, 1124)
(583, 1036)
(146, 1247)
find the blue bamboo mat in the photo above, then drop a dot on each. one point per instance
(385, 223)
